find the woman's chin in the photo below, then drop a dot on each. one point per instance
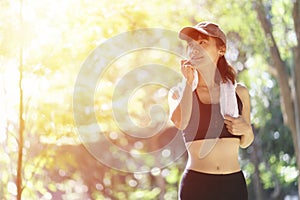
(202, 61)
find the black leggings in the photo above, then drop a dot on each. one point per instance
(197, 186)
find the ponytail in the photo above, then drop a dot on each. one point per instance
(226, 71)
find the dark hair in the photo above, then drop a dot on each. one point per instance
(226, 71)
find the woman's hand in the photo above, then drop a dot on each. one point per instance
(237, 125)
(187, 70)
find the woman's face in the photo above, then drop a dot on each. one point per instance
(203, 51)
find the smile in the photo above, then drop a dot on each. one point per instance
(197, 57)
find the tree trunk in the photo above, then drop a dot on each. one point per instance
(256, 159)
(21, 141)
(290, 91)
(19, 179)
(296, 73)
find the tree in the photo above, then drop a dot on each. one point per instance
(19, 179)
(285, 69)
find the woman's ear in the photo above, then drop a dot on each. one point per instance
(222, 50)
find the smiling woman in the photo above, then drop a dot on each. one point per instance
(213, 128)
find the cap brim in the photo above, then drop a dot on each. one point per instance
(185, 33)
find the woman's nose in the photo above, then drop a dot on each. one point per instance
(195, 51)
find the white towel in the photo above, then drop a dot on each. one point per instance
(228, 101)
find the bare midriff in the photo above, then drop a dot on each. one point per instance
(214, 156)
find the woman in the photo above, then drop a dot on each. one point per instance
(212, 139)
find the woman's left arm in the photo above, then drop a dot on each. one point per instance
(242, 124)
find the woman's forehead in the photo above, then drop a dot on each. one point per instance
(203, 37)
(199, 37)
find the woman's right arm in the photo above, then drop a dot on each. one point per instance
(180, 104)
(180, 98)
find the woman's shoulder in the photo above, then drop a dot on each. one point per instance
(242, 91)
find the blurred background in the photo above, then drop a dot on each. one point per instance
(43, 45)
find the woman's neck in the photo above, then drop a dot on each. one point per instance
(207, 79)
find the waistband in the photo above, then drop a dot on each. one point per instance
(191, 171)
